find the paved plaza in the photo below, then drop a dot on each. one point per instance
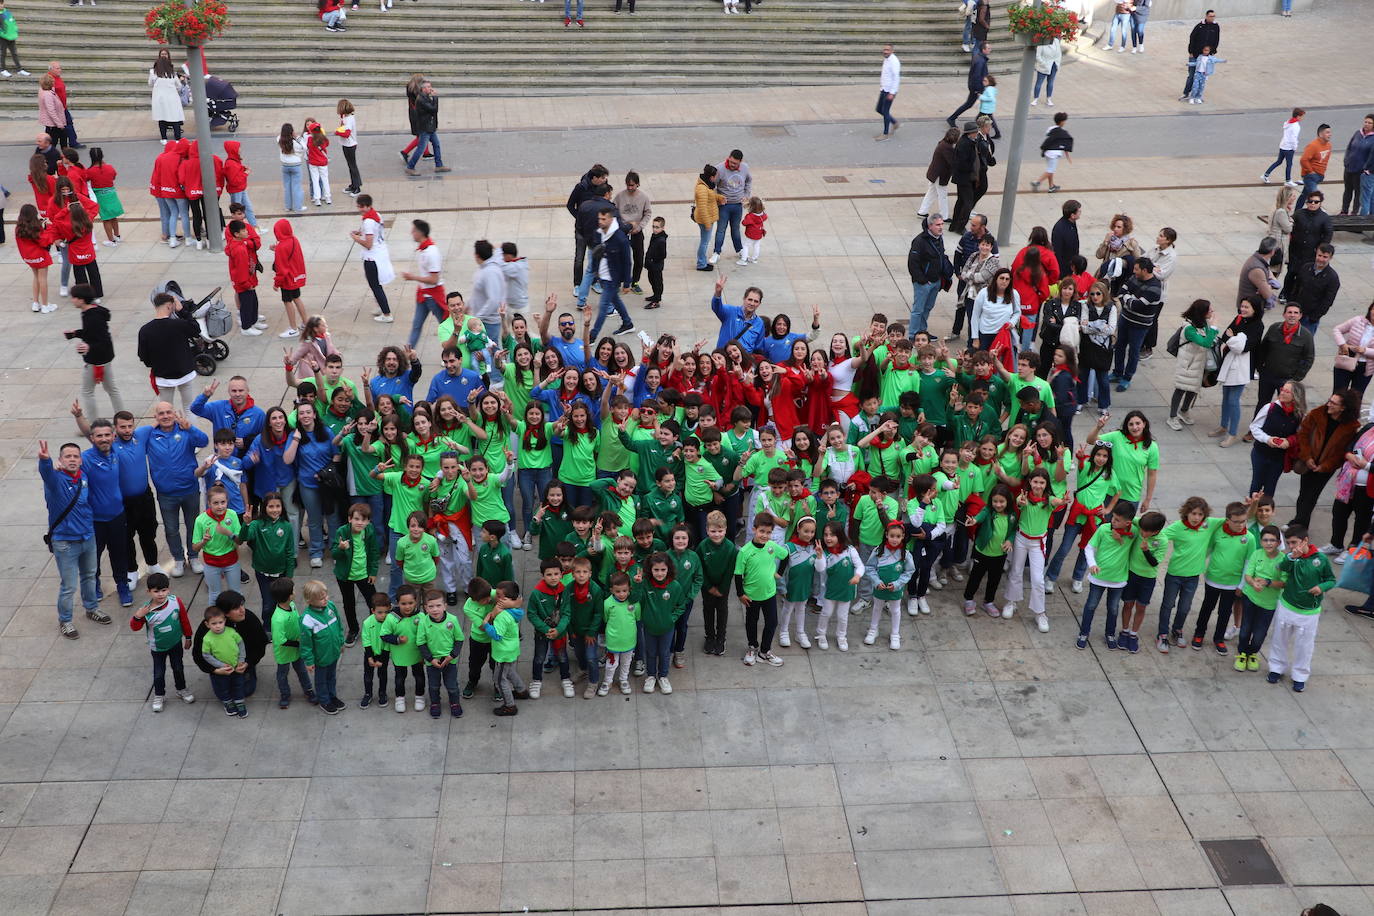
(984, 768)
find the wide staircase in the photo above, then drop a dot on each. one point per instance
(278, 53)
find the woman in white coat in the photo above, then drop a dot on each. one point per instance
(1240, 338)
(994, 306)
(166, 84)
(1190, 367)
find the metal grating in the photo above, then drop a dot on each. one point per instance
(771, 130)
(836, 179)
(1241, 862)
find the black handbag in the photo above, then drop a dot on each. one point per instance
(329, 478)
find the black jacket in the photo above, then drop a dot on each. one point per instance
(926, 262)
(587, 213)
(427, 113)
(249, 629)
(1064, 244)
(1313, 291)
(164, 346)
(616, 251)
(1204, 35)
(657, 252)
(95, 332)
(580, 192)
(977, 70)
(1285, 361)
(1057, 138)
(1310, 229)
(971, 159)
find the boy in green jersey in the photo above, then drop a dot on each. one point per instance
(1146, 554)
(1026, 365)
(418, 552)
(585, 619)
(897, 374)
(408, 490)
(717, 554)
(1189, 536)
(355, 552)
(727, 496)
(322, 639)
(169, 633)
(1109, 560)
(1307, 575)
(1260, 594)
(481, 600)
(494, 562)
(398, 632)
(549, 616)
(622, 633)
(654, 453)
(936, 385)
(286, 643)
(439, 636)
(618, 495)
(702, 483)
(774, 501)
(756, 583)
(662, 505)
(1230, 546)
(223, 648)
(503, 628)
(375, 655)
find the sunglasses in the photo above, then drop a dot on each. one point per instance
(1314, 200)
(567, 324)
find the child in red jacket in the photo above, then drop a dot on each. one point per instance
(102, 179)
(753, 232)
(236, 174)
(242, 250)
(78, 232)
(288, 275)
(317, 158)
(34, 238)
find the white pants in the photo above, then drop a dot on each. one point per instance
(892, 608)
(617, 661)
(1290, 648)
(792, 612)
(88, 384)
(935, 193)
(840, 611)
(319, 183)
(455, 561)
(751, 248)
(1032, 550)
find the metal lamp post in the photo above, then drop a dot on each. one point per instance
(1018, 134)
(199, 105)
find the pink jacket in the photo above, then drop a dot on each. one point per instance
(1350, 332)
(50, 110)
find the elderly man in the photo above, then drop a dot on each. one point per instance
(739, 323)
(237, 412)
(930, 268)
(55, 71)
(71, 533)
(48, 150)
(172, 443)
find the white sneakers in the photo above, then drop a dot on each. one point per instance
(715, 256)
(535, 688)
(316, 562)
(173, 242)
(664, 686)
(383, 319)
(1008, 609)
(649, 683)
(1042, 623)
(842, 643)
(870, 637)
(923, 605)
(742, 262)
(197, 567)
(186, 695)
(803, 640)
(400, 704)
(784, 639)
(178, 569)
(895, 642)
(750, 656)
(526, 544)
(261, 324)
(251, 332)
(157, 704)
(419, 703)
(970, 608)
(1049, 587)
(567, 688)
(62, 290)
(49, 308)
(1076, 586)
(821, 642)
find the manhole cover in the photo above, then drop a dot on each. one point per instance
(1241, 862)
(836, 179)
(771, 130)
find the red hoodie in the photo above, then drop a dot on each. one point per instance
(36, 253)
(235, 172)
(243, 255)
(316, 150)
(101, 176)
(165, 181)
(288, 264)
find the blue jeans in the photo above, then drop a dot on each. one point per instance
(705, 241)
(967, 38)
(1366, 194)
(1285, 158)
(423, 139)
(587, 658)
(1128, 344)
(657, 650)
(334, 17)
(532, 484)
(1138, 21)
(1311, 324)
(1199, 85)
(1230, 407)
(567, 9)
(241, 197)
(1254, 626)
(680, 629)
(397, 577)
(1309, 184)
(423, 309)
(312, 500)
(187, 505)
(1046, 79)
(544, 650)
(1093, 380)
(1066, 543)
(610, 302)
(923, 297)
(161, 660)
(729, 214)
(885, 109)
(1095, 593)
(292, 192)
(184, 214)
(76, 565)
(1178, 589)
(589, 271)
(1121, 25)
(446, 676)
(228, 688)
(326, 682)
(167, 215)
(219, 579)
(284, 682)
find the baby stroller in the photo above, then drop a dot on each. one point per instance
(213, 317)
(221, 99)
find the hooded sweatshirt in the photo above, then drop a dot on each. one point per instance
(243, 255)
(188, 171)
(288, 265)
(235, 172)
(166, 181)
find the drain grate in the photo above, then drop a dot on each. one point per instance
(836, 179)
(771, 130)
(1241, 862)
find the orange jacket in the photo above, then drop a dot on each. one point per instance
(1315, 156)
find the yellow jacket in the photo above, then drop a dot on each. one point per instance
(707, 204)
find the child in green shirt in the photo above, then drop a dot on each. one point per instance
(585, 620)
(756, 582)
(687, 573)
(799, 582)
(1260, 595)
(1189, 536)
(375, 655)
(996, 523)
(888, 569)
(661, 603)
(398, 632)
(273, 543)
(223, 647)
(1035, 505)
(1228, 548)
(502, 627)
(494, 562)
(1307, 575)
(1146, 554)
(717, 554)
(322, 639)
(841, 570)
(1109, 560)
(286, 642)
(549, 615)
(417, 552)
(355, 554)
(215, 535)
(439, 636)
(551, 521)
(621, 629)
(662, 504)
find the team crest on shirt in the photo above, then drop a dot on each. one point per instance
(665, 593)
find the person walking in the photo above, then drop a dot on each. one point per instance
(930, 270)
(970, 172)
(977, 70)
(1288, 145)
(71, 533)
(613, 270)
(96, 347)
(377, 270)
(9, 42)
(888, 84)
(60, 87)
(1120, 26)
(736, 184)
(938, 173)
(1312, 228)
(427, 123)
(1047, 59)
(1313, 162)
(1205, 34)
(52, 115)
(1356, 151)
(430, 298)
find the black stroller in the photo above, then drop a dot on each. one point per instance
(213, 317)
(221, 99)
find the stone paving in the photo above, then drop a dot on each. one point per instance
(985, 768)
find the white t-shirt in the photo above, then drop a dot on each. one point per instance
(351, 126)
(373, 228)
(842, 379)
(429, 261)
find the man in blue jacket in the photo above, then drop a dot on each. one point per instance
(613, 271)
(72, 531)
(100, 463)
(742, 323)
(172, 443)
(977, 70)
(237, 412)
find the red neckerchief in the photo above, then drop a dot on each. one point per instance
(1287, 334)
(879, 443)
(247, 403)
(76, 478)
(628, 566)
(218, 518)
(335, 411)
(565, 397)
(1190, 525)
(423, 245)
(983, 462)
(372, 214)
(406, 481)
(1134, 440)
(1288, 409)
(1032, 498)
(426, 443)
(654, 583)
(1226, 529)
(1311, 550)
(273, 441)
(806, 544)
(544, 588)
(582, 593)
